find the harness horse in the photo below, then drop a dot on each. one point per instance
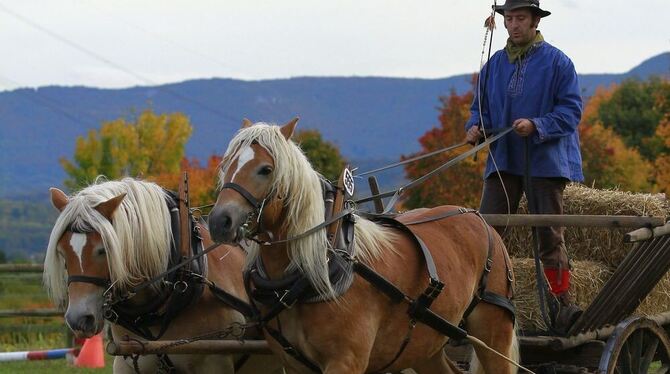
(375, 294)
(109, 239)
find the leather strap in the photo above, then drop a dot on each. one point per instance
(98, 281)
(245, 194)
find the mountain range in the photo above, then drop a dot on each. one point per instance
(373, 120)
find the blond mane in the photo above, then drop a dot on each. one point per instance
(137, 241)
(300, 186)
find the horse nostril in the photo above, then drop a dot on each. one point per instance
(220, 222)
(88, 322)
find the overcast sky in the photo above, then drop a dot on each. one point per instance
(124, 43)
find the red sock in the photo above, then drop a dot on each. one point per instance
(559, 282)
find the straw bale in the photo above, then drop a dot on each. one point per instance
(593, 244)
(588, 277)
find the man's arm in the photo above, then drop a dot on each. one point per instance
(567, 113)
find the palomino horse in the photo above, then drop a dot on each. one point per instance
(269, 188)
(112, 236)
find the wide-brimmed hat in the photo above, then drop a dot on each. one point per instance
(516, 4)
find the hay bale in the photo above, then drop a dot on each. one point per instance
(588, 277)
(593, 244)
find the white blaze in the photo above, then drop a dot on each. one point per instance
(246, 155)
(78, 241)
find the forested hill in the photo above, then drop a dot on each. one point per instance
(372, 120)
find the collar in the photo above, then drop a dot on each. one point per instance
(518, 52)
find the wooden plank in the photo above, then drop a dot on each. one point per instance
(568, 220)
(123, 348)
(31, 313)
(21, 268)
(374, 189)
(646, 233)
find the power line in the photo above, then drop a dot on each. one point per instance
(113, 64)
(163, 39)
(37, 97)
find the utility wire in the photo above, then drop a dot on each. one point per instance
(163, 39)
(37, 97)
(111, 63)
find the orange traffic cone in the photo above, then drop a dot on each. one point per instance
(91, 354)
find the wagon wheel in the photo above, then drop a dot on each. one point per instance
(637, 346)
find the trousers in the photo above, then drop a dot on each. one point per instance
(547, 196)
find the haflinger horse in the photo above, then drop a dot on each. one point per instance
(271, 194)
(110, 238)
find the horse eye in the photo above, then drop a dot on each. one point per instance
(101, 251)
(265, 170)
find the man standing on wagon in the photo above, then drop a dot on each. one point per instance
(531, 86)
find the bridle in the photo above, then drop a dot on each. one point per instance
(255, 214)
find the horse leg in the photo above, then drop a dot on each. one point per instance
(501, 338)
(438, 363)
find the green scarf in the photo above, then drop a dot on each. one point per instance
(515, 52)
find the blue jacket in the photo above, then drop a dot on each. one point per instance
(542, 87)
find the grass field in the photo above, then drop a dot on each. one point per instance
(25, 291)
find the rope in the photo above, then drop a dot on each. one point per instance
(476, 342)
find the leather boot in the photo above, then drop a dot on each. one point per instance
(566, 313)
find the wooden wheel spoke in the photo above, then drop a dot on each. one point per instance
(635, 344)
(624, 363)
(649, 352)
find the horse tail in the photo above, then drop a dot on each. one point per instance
(513, 353)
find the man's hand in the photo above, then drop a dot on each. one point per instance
(523, 127)
(473, 135)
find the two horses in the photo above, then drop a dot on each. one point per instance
(110, 238)
(271, 193)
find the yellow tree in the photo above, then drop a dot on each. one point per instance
(151, 145)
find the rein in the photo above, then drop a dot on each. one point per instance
(396, 193)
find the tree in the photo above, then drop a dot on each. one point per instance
(607, 161)
(324, 156)
(152, 145)
(634, 110)
(462, 183)
(202, 180)
(662, 163)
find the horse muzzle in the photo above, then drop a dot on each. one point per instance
(225, 224)
(83, 325)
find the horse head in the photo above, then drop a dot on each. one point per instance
(249, 197)
(108, 238)
(84, 255)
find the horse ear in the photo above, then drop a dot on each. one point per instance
(287, 129)
(58, 198)
(107, 208)
(246, 123)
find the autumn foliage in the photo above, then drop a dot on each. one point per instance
(202, 180)
(460, 184)
(150, 145)
(623, 145)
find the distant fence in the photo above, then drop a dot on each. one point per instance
(6, 269)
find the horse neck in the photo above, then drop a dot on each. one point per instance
(275, 260)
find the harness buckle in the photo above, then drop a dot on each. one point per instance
(434, 289)
(110, 314)
(180, 286)
(281, 300)
(489, 265)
